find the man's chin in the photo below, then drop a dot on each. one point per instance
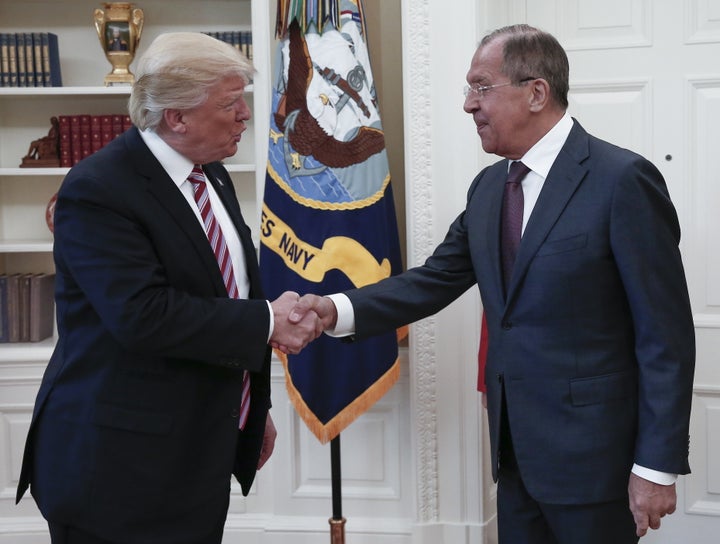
(231, 150)
(487, 147)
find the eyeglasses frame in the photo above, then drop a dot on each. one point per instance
(482, 89)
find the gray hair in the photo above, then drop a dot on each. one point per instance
(177, 71)
(530, 52)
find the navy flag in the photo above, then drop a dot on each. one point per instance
(328, 219)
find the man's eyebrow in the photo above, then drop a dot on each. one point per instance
(480, 79)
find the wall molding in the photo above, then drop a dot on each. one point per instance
(420, 217)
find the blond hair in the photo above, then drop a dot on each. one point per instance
(177, 71)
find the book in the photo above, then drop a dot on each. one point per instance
(95, 133)
(29, 59)
(4, 59)
(52, 74)
(3, 309)
(246, 44)
(42, 306)
(37, 59)
(24, 308)
(85, 137)
(12, 60)
(75, 140)
(106, 130)
(13, 307)
(65, 145)
(20, 51)
(117, 125)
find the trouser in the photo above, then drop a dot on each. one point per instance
(523, 520)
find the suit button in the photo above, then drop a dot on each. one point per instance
(235, 413)
(507, 325)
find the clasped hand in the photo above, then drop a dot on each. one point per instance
(300, 320)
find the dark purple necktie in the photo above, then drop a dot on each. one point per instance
(512, 218)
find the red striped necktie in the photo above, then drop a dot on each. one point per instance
(222, 254)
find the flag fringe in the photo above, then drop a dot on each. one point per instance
(325, 432)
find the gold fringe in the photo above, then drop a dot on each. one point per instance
(326, 432)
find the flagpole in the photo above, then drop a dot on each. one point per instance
(337, 521)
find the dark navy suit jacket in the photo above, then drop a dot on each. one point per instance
(593, 346)
(134, 435)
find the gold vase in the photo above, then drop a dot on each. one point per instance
(119, 26)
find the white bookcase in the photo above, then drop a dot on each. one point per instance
(25, 241)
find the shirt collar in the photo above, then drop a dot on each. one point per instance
(177, 166)
(540, 157)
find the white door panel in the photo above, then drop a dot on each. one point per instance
(645, 74)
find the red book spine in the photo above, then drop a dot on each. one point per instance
(126, 123)
(106, 135)
(65, 146)
(95, 133)
(85, 142)
(75, 143)
(117, 125)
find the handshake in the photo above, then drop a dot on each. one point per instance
(300, 320)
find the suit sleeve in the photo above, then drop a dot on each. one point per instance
(419, 292)
(645, 234)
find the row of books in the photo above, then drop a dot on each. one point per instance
(27, 307)
(32, 59)
(240, 40)
(82, 135)
(29, 59)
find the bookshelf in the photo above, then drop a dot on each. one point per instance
(25, 240)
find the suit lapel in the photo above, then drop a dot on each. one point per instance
(167, 195)
(565, 176)
(494, 198)
(159, 184)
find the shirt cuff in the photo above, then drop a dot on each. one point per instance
(345, 325)
(271, 327)
(662, 478)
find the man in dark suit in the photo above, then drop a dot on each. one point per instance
(141, 419)
(591, 342)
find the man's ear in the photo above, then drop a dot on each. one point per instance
(175, 120)
(540, 94)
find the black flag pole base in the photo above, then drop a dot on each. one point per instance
(337, 530)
